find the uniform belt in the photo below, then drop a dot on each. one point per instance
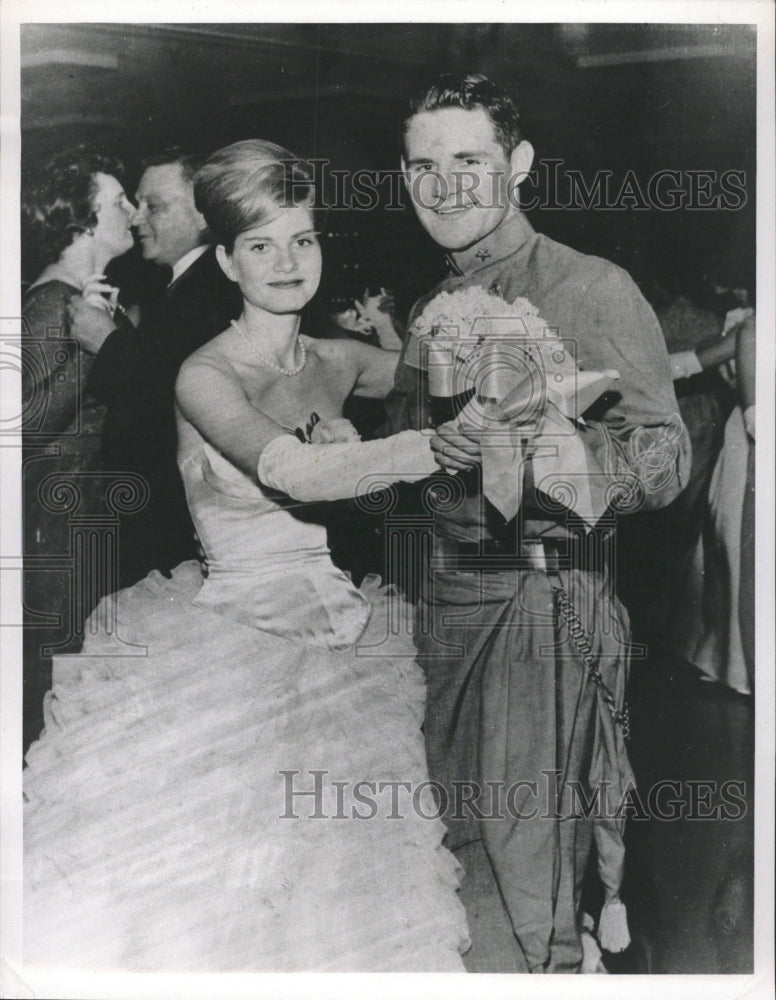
(590, 553)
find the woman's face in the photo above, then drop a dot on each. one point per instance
(114, 212)
(278, 263)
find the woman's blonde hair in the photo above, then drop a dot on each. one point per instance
(243, 185)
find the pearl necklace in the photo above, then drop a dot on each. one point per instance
(288, 372)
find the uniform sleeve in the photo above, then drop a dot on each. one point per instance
(636, 438)
(404, 404)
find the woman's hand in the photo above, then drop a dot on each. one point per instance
(379, 313)
(90, 325)
(351, 319)
(96, 292)
(373, 315)
(334, 431)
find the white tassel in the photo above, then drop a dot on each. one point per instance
(613, 933)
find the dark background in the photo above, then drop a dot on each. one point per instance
(598, 96)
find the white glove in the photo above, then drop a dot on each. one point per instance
(310, 472)
(335, 431)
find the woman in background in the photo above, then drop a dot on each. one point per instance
(712, 626)
(250, 792)
(76, 220)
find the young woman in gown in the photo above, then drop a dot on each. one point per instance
(169, 822)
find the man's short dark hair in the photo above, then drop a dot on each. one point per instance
(470, 93)
(190, 160)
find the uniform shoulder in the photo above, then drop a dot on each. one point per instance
(571, 266)
(573, 260)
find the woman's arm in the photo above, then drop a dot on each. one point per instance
(215, 403)
(340, 471)
(375, 369)
(710, 355)
(746, 364)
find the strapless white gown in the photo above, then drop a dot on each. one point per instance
(158, 826)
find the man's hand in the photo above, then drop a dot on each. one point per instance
(89, 325)
(458, 445)
(455, 450)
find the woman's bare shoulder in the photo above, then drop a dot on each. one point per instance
(208, 373)
(212, 355)
(325, 347)
(335, 351)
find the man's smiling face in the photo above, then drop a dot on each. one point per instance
(457, 173)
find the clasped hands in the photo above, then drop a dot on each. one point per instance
(373, 314)
(457, 445)
(458, 448)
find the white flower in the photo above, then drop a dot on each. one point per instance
(468, 318)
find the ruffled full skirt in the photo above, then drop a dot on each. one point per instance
(166, 826)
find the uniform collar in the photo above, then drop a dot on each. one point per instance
(503, 241)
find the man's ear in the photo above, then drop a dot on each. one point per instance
(225, 262)
(521, 161)
(404, 173)
(203, 227)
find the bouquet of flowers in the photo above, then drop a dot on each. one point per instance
(523, 383)
(514, 360)
(469, 307)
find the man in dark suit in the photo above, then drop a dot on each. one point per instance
(134, 371)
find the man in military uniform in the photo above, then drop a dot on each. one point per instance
(523, 642)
